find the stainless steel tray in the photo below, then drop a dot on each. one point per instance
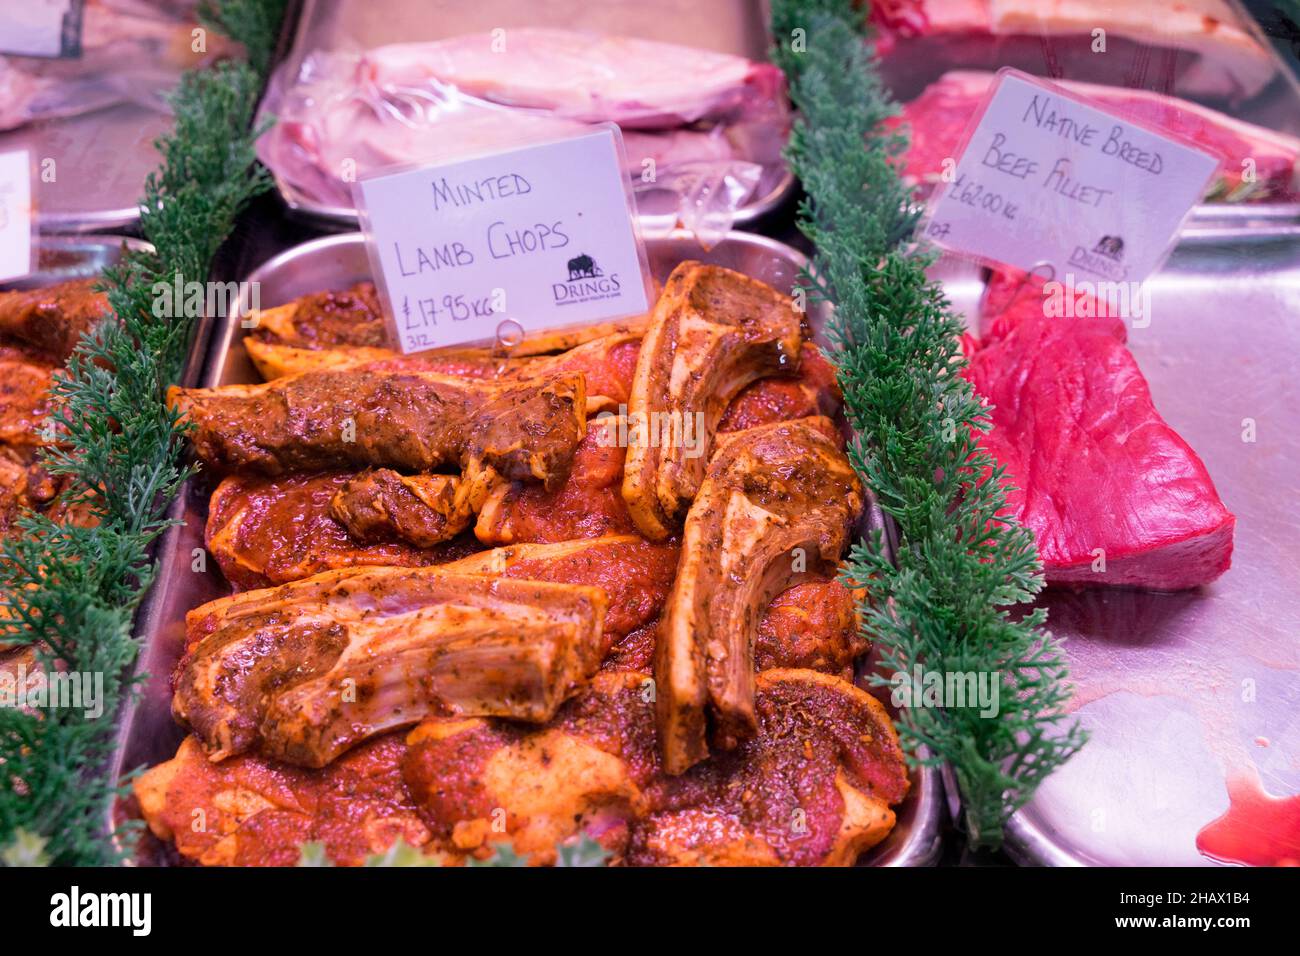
(148, 733)
(60, 258)
(101, 161)
(732, 26)
(1183, 691)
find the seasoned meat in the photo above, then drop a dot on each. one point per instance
(52, 319)
(414, 421)
(304, 671)
(25, 403)
(381, 505)
(712, 333)
(776, 503)
(247, 811)
(326, 320)
(266, 531)
(812, 786)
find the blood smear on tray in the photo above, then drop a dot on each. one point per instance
(1259, 829)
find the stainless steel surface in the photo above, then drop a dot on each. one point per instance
(1264, 214)
(59, 258)
(100, 161)
(731, 26)
(149, 735)
(1184, 691)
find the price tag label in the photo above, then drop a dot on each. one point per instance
(1048, 179)
(45, 28)
(15, 214)
(537, 237)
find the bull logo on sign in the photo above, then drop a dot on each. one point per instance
(1112, 247)
(583, 267)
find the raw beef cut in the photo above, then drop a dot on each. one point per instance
(1098, 472)
(938, 117)
(1195, 48)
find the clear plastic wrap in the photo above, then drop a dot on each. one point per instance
(1197, 69)
(131, 51)
(698, 125)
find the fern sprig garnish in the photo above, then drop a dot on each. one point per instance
(70, 591)
(953, 599)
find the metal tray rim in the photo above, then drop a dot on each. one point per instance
(346, 216)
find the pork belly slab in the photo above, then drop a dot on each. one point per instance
(1097, 473)
(776, 503)
(304, 671)
(814, 786)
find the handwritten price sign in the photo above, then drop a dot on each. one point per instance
(1046, 177)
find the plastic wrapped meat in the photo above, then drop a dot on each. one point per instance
(1113, 495)
(131, 51)
(938, 117)
(697, 124)
(1188, 47)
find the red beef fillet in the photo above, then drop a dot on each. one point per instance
(1094, 463)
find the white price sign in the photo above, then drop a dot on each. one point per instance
(1047, 178)
(538, 237)
(15, 214)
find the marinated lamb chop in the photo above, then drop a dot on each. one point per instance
(587, 504)
(713, 332)
(382, 505)
(307, 670)
(590, 502)
(776, 503)
(332, 329)
(258, 813)
(813, 786)
(414, 421)
(635, 575)
(1096, 472)
(25, 403)
(52, 319)
(268, 531)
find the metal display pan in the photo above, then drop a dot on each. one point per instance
(731, 26)
(1185, 691)
(149, 735)
(101, 161)
(60, 258)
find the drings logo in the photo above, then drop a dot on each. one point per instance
(586, 283)
(583, 267)
(1105, 260)
(1112, 247)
